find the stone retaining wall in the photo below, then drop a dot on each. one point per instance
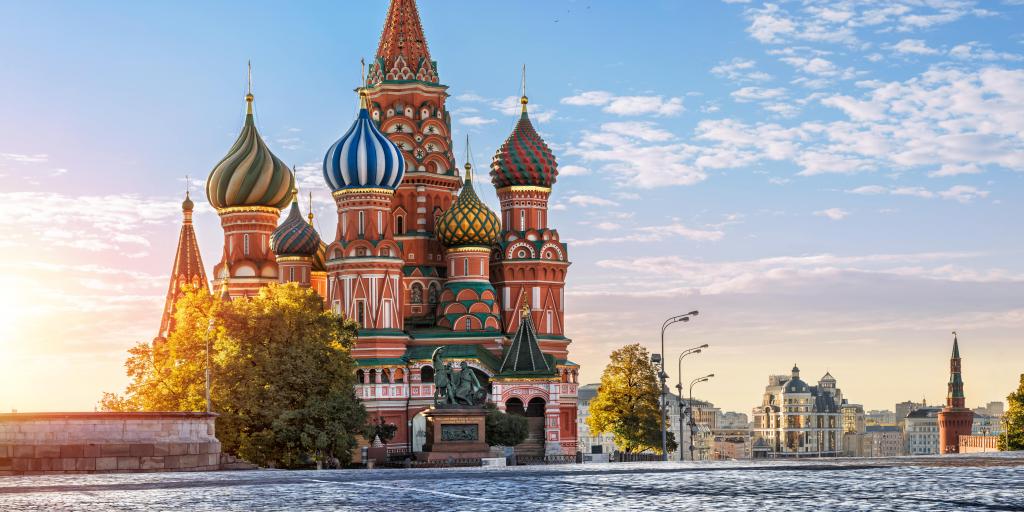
(107, 442)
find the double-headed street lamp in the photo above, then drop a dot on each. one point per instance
(693, 424)
(679, 391)
(662, 377)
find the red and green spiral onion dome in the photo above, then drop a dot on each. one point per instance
(249, 175)
(320, 258)
(468, 222)
(524, 159)
(295, 236)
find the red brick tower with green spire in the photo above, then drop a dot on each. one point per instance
(955, 419)
(407, 101)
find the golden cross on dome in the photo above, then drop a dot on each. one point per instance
(248, 91)
(524, 100)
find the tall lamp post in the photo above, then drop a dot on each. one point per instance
(679, 391)
(662, 377)
(692, 423)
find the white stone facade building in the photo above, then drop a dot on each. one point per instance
(921, 431)
(799, 420)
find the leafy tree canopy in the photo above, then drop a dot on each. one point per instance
(627, 402)
(1012, 437)
(282, 375)
(505, 429)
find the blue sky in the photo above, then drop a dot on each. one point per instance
(835, 184)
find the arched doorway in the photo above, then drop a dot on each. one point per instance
(419, 432)
(515, 406)
(535, 409)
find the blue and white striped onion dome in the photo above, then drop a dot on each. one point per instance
(363, 158)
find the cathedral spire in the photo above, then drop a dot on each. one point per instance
(402, 42)
(187, 270)
(955, 394)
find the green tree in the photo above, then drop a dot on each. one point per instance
(505, 429)
(627, 402)
(282, 375)
(380, 429)
(1012, 437)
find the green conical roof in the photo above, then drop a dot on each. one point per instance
(524, 354)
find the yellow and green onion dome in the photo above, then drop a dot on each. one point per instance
(250, 175)
(295, 236)
(524, 159)
(468, 221)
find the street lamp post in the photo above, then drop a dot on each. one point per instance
(692, 423)
(662, 377)
(679, 391)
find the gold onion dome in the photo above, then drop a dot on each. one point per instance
(468, 221)
(250, 175)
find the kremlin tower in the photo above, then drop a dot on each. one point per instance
(955, 419)
(187, 270)
(248, 188)
(415, 262)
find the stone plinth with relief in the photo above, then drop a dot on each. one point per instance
(456, 433)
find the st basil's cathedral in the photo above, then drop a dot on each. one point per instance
(418, 260)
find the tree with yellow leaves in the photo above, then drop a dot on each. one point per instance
(627, 402)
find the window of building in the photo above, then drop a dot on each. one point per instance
(245, 244)
(416, 294)
(361, 313)
(522, 220)
(400, 225)
(291, 273)
(362, 224)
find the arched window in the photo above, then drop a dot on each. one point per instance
(362, 224)
(373, 376)
(522, 220)
(416, 294)
(515, 406)
(245, 244)
(399, 376)
(465, 267)
(432, 294)
(469, 324)
(535, 409)
(427, 374)
(549, 329)
(400, 225)
(361, 313)
(360, 377)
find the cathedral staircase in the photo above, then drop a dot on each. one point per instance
(533, 446)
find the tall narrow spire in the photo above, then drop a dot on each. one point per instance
(187, 271)
(524, 99)
(402, 42)
(955, 394)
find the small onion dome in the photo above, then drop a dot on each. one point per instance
(524, 158)
(363, 157)
(320, 258)
(295, 237)
(187, 205)
(250, 175)
(468, 221)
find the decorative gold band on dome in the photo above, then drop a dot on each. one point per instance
(470, 248)
(249, 209)
(525, 188)
(368, 190)
(294, 259)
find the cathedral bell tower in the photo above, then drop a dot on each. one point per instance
(364, 264)
(955, 419)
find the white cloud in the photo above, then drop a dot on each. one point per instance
(975, 51)
(607, 226)
(747, 94)
(833, 213)
(586, 200)
(649, 234)
(955, 170)
(475, 121)
(25, 158)
(914, 46)
(740, 70)
(627, 105)
(963, 194)
(572, 170)
(645, 131)
(960, 193)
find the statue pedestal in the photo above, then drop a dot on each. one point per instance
(457, 433)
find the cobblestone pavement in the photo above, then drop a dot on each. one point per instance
(994, 482)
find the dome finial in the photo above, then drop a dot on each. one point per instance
(363, 103)
(248, 92)
(523, 99)
(310, 203)
(469, 159)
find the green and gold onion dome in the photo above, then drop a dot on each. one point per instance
(468, 222)
(295, 236)
(250, 175)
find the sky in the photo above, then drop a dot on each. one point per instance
(833, 184)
